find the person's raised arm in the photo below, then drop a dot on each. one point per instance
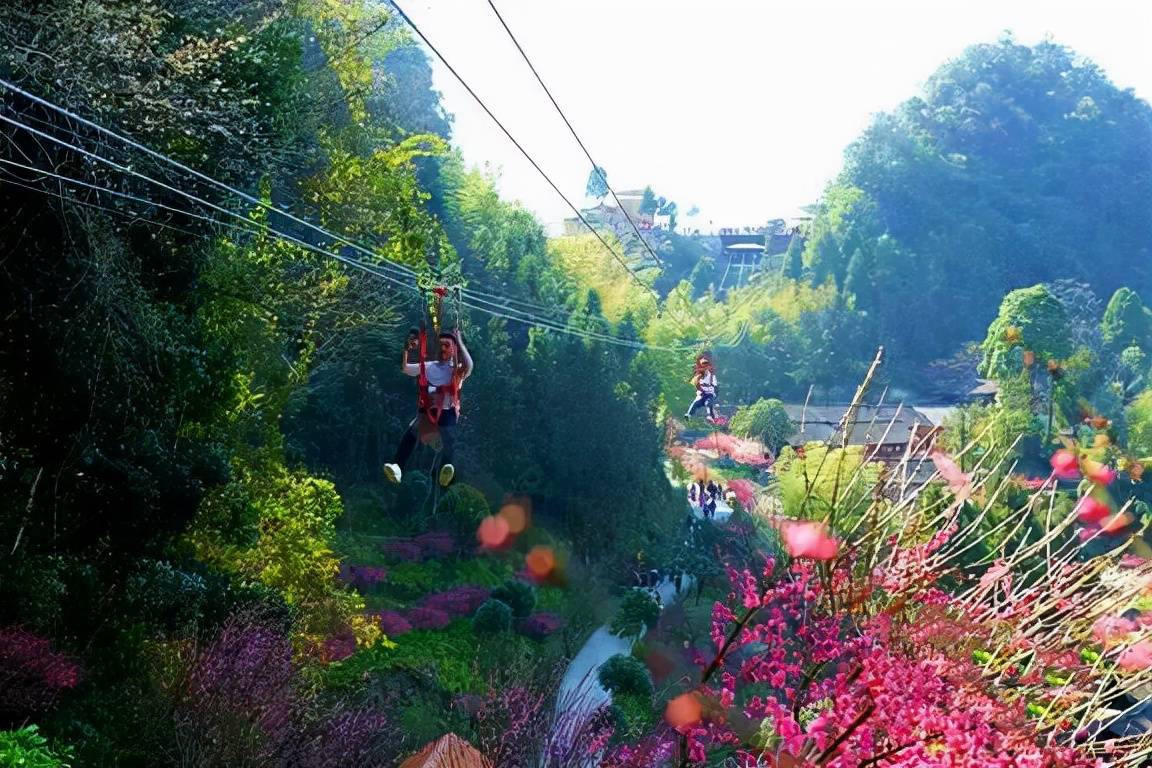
(411, 345)
(465, 356)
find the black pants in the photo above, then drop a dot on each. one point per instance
(703, 400)
(446, 426)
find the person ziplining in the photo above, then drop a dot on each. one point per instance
(704, 379)
(439, 382)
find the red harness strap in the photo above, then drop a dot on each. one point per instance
(431, 406)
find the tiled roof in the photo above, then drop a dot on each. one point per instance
(448, 751)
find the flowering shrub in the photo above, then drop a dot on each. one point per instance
(436, 543)
(339, 647)
(745, 491)
(747, 452)
(850, 652)
(238, 700)
(509, 723)
(362, 577)
(458, 602)
(403, 549)
(393, 623)
(32, 673)
(538, 626)
(428, 618)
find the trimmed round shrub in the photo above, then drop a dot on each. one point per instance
(462, 509)
(625, 675)
(492, 618)
(637, 612)
(520, 596)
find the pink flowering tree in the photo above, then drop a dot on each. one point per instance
(873, 639)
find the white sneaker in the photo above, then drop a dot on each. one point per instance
(393, 473)
(447, 472)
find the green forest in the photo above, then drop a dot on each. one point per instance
(221, 221)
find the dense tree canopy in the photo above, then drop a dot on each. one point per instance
(1016, 165)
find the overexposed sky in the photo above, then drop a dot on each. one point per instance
(741, 107)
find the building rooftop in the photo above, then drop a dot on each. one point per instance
(886, 424)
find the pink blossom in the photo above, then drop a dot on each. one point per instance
(958, 481)
(1090, 511)
(1135, 657)
(1102, 474)
(1065, 464)
(808, 539)
(745, 491)
(1108, 629)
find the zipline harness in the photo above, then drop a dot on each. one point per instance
(431, 397)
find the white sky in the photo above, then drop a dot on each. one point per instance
(742, 107)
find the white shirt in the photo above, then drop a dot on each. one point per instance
(707, 383)
(439, 373)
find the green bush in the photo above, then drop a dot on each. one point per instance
(624, 675)
(518, 595)
(633, 714)
(26, 748)
(766, 421)
(637, 612)
(492, 617)
(461, 511)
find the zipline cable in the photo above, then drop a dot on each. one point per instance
(595, 168)
(255, 228)
(399, 267)
(177, 164)
(524, 152)
(131, 171)
(374, 268)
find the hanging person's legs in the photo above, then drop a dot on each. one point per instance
(447, 428)
(701, 399)
(394, 470)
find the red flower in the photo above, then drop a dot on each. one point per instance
(1065, 464)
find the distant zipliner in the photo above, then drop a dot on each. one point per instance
(704, 379)
(438, 399)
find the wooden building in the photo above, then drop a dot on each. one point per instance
(887, 432)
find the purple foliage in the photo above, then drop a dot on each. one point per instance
(540, 625)
(239, 701)
(362, 577)
(468, 703)
(509, 723)
(428, 618)
(339, 647)
(393, 623)
(458, 602)
(32, 674)
(436, 543)
(403, 549)
(347, 737)
(246, 671)
(516, 726)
